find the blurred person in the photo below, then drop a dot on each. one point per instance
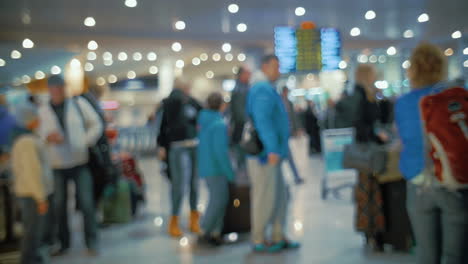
(439, 216)
(33, 182)
(214, 165)
(70, 127)
(296, 131)
(270, 194)
(178, 144)
(7, 122)
(370, 218)
(239, 116)
(312, 128)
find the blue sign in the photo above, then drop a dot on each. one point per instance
(331, 49)
(286, 48)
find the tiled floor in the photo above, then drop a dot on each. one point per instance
(325, 229)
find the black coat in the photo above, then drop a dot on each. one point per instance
(368, 114)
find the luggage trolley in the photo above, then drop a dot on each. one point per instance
(333, 142)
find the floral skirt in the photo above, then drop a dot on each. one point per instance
(370, 218)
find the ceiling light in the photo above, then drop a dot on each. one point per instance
(39, 75)
(26, 79)
(363, 58)
(17, 82)
(153, 70)
(370, 15)
(448, 52)
(216, 57)
(382, 59)
(100, 81)
(152, 56)
(391, 51)
(180, 64)
(131, 75)
(137, 56)
(108, 62)
(204, 57)
(241, 57)
(343, 65)
(28, 44)
(229, 57)
(235, 70)
(75, 63)
(2, 62)
(131, 3)
(373, 59)
(112, 78)
(457, 34)
(15, 55)
(122, 56)
(176, 46)
(465, 51)
(242, 27)
(408, 33)
(465, 64)
(381, 84)
(55, 70)
(209, 74)
(406, 64)
(233, 8)
(92, 45)
(107, 56)
(355, 32)
(423, 18)
(180, 25)
(88, 67)
(226, 47)
(91, 56)
(300, 11)
(89, 22)
(196, 61)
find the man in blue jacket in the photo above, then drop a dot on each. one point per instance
(270, 193)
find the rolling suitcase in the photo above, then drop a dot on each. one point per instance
(237, 217)
(117, 208)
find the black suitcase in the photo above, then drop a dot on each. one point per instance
(237, 218)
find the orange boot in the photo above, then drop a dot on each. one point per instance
(195, 222)
(174, 229)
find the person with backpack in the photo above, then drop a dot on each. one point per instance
(438, 211)
(178, 142)
(70, 126)
(214, 165)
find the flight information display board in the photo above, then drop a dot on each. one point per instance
(286, 48)
(309, 52)
(331, 48)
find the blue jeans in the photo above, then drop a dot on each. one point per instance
(213, 220)
(183, 166)
(439, 218)
(34, 226)
(292, 165)
(84, 193)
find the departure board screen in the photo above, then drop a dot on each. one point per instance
(309, 50)
(331, 48)
(286, 48)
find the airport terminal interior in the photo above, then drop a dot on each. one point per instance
(152, 119)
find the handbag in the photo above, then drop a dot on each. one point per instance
(250, 141)
(365, 157)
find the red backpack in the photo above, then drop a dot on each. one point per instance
(445, 116)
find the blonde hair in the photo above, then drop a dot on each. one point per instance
(363, 74)
(428, 65)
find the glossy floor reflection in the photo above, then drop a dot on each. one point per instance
(324, 227)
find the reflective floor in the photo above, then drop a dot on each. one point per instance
(325, 229)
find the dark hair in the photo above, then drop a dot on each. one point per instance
(267, 58)
(240, 71)
(55, 80)
(215, 101)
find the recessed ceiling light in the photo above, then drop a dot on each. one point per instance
(180, 64)
(465, 64)
(107, 56)
(131, 75)
(408, 34)
(370, 15)
(17, 82)
(2, 62)
(204, 57)
(89, 22)
(55, 70)
(457, 34)
(176, 46)
(179, 25)
(300, 11)
(112, 78)
(448, 52)
(153, 70)
(28, 44)
(131, 3)
(226, 47)
(88, 67)
(382, 59)
(75, 63)
(15, 55)
(92, 45)
(26, 79)
(216, 57)
(241, 57)
(196, 61)
(423, 18)
(91, 56)
(373, 59)
(465, 51)
(100, 81)
(39, 75)
(233, 8)
(229, 57)
(137, 56)
(242, 27)
(152, 56)
(122, 56)
(108, 62)
(343, 65)
(391, 51)
(355, 32)
(235, 70)
(363, 58)
(209, 74)
(406, 64)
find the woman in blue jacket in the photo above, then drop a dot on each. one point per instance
(214, 166)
